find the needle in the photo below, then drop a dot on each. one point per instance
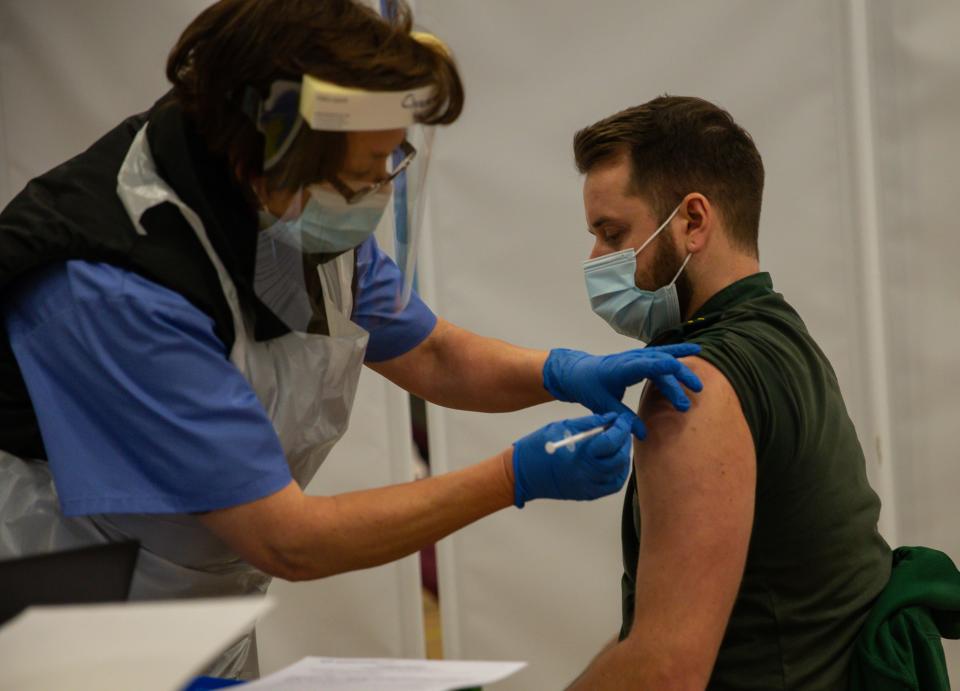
(551, 446)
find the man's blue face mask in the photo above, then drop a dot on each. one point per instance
(631, 311)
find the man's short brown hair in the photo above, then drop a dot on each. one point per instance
(235, 44)
(677, 145)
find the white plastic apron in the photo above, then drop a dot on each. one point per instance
(305, 382)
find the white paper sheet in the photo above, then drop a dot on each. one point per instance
(375, 674)
(149, 646)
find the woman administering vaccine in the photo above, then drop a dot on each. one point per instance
(187, 305)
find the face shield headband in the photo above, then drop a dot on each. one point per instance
(344, 211)
(322, 105)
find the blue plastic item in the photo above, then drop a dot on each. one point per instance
(205, 683)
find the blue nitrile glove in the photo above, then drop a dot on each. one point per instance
(599, 381)
(592, 468)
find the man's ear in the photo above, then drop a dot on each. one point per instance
(699, 219)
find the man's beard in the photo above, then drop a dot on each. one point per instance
(667, 261)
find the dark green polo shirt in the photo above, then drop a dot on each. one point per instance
(816, 561)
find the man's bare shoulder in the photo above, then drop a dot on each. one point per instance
(716, 405)
(703, 455)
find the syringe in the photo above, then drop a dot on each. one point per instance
(552, 446)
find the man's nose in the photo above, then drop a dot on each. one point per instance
(597, 251)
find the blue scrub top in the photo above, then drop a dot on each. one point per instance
(139, 407)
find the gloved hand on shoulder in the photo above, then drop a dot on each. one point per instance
(599, 381)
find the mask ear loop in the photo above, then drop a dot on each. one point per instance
(682, 267)
(658, 230)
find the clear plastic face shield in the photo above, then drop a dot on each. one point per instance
(377, 188)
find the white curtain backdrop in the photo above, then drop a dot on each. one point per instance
(916, 71)
(70, 71)
(917, 68)
(853, 106)
(854, 109)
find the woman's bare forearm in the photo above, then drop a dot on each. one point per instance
(300, 537)
(459, 369)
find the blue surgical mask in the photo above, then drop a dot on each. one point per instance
(328, 223)
(614, 295)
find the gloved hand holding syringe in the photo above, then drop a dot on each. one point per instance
(570, 440)
(596, 467)
(590, 457)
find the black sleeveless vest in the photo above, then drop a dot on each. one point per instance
(73, 212)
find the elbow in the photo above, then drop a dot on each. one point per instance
(675, 678)
(280, 556)
(292, 564)
(668, 671)
(680, 675)
(277, 563)
(296, 575)
(285, 535)
(681, 681)
(287, 569)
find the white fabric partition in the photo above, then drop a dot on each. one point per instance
(508, 235)
(917, 106)
(70, 71)
(918, 145)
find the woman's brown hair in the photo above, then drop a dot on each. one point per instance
(236, 44)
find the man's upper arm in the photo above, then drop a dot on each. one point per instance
(696, 480)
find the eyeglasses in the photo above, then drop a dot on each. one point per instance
(405, 152)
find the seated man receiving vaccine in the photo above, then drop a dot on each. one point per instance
(750, 542)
